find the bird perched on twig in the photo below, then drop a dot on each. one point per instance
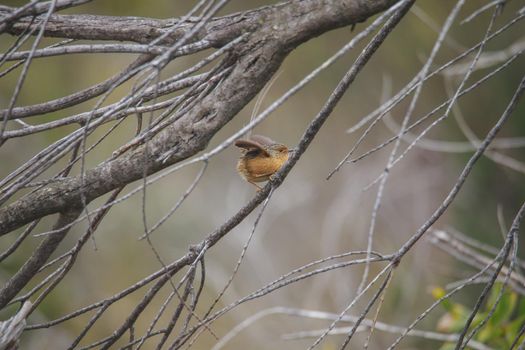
(261, 158)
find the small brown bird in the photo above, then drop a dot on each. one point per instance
(261, 158)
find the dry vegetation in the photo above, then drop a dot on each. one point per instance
(125, 225)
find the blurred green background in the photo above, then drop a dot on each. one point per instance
(308, 217)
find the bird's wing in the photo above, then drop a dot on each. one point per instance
(251, 146)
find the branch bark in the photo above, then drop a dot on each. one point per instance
(274, 31)
(218, 31)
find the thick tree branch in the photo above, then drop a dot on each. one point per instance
(218, 31)
(254, 61)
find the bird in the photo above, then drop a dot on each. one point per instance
(261, 158)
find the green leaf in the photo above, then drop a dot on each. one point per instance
(485, 334)
(505, 309)
(521, 307)
(512, 329)
(494, 292)
(480, 316)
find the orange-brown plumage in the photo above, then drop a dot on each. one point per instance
(262, 157)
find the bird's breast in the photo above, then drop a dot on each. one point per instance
(260, 168)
